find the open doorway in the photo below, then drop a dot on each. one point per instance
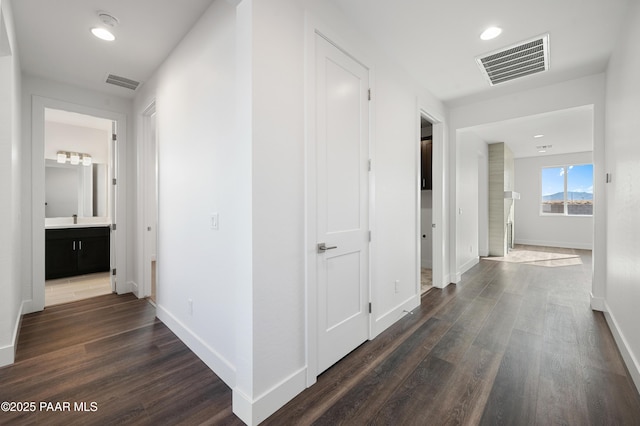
(150, 209)
(116, 206)
(426, 204)
(78, 167)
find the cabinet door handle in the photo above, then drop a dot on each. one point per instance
(80, 243)
(74, 246)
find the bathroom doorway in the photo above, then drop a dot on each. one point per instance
(100, 233)
(78, 156)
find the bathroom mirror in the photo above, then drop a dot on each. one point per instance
(75, 190)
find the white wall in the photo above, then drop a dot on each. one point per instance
(623, 193)
(36, 90)
(247, 280)
(66, 137)
(554, 231)
(202, 170)
(10, 194)
(573, 93)
(472, 180)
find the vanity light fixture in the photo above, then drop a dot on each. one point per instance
(74, 158)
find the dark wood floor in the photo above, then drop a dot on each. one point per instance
(110, 350)
(510, 344)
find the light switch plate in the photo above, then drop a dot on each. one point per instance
(215, 222)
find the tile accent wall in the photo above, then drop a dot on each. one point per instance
(501, 178)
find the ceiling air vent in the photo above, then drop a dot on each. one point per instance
(525, 58)
(122, 82)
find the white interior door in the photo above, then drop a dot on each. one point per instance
(342, 155)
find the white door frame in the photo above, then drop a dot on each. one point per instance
(311, 197)
(437, 212)
(149, 167)
(35, 301)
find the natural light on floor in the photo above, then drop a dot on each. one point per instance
(539, 258)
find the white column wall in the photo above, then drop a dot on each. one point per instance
(623, 193)
(202, 169)
(10, 194)
(472, 178)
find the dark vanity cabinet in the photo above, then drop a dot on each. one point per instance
(77, 251)
(426, 161)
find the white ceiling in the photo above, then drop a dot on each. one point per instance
(435, 41)
(54, 39)
(567, 131)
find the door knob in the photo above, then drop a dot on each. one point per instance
(322, 247)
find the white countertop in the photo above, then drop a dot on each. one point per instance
(83, 222)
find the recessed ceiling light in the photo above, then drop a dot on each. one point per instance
(538, 136)
(490, 33)
(103, 34)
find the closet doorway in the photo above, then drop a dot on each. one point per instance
(426, 204)
(150, 200)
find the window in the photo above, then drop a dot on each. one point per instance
(567, 190)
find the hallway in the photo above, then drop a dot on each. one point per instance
(510, 344)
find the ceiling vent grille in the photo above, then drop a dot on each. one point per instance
(525, 58)
(122, 82)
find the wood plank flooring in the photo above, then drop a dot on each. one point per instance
(111, 351)
(510, 344)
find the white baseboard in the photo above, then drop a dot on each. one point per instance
(597, 303)
(252, 412)
(468, 265)
(559, 244)
(385, 320)
(134, 288)
(125, 287)
(630, 360)
(446, 280)
(8, 353)
(216, 362)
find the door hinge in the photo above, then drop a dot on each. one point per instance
(114, 137)
(369, 236)
(369, 94)
(113, 227)
(113, 272)
(114, 181)
(369, 307)
(369, 166)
